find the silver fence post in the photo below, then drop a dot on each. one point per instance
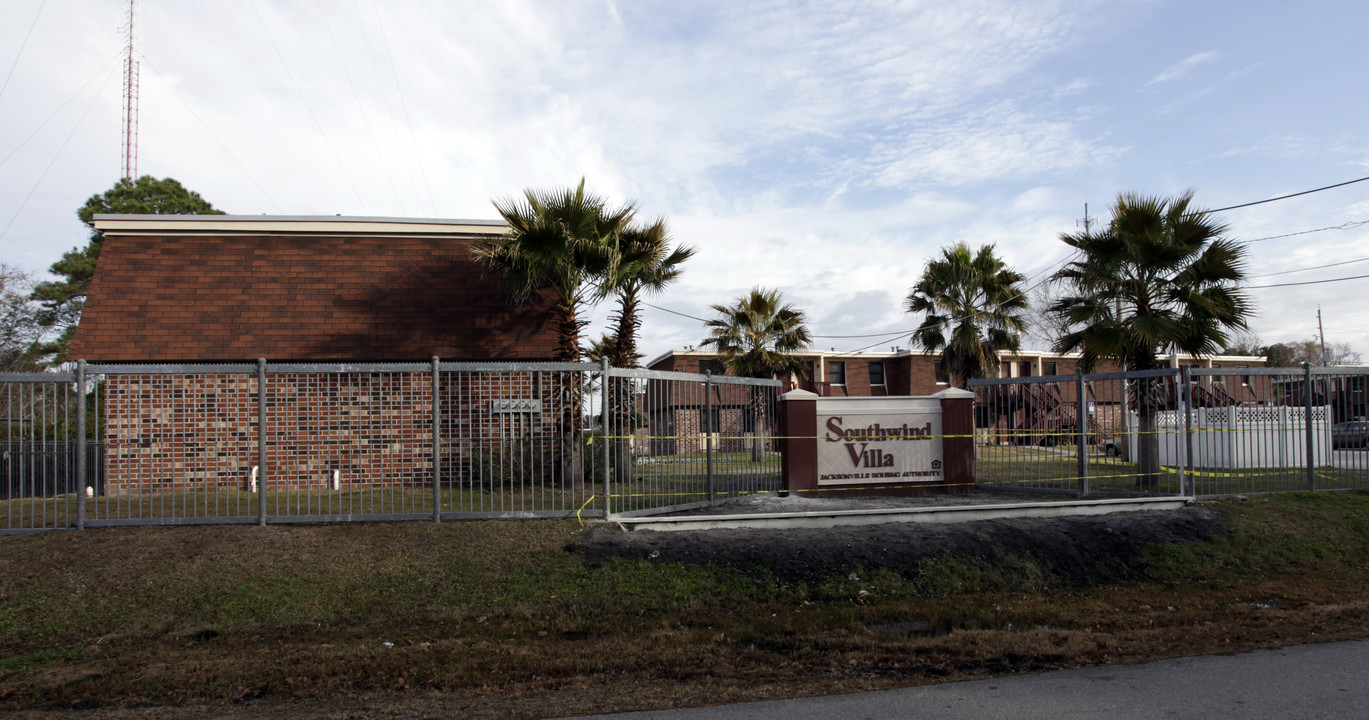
(707, 422)
(1307, 425)
(1186, 378)
(437, 446)
(261, 442)
(604, 452)
(1081, 423)
(80, 444)
(1183, 400)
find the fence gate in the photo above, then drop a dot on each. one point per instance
(684, 440)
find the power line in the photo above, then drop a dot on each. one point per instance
(1342, 226)
(289, 73)
(1309, 282)
(867, 335)
(404, 105)
(896, 333)
(1293, 195)
(881, 342)
(205, 125)
(1314, 267)
(58, 154)
(899, 334)
(60, 108)
(389, 106)
(361, 108)
(22, 45)
(674, 312)
(908, 333)
(1066, 260)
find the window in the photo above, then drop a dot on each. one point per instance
(1245, 379)
(710, 420)
(876, 373)
(941, 377)
(1048, 368)
(836, 373)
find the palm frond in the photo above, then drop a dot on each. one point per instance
(973, 306)
(1161, 277)
(758, 335)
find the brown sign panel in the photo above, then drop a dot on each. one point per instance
(864, 441)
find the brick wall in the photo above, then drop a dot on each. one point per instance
(174, 433)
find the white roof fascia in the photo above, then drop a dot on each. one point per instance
(306, 224)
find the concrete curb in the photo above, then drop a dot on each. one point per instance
(948, 514)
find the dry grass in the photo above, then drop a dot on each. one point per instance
(500, 619)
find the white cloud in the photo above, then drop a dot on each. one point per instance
(1184, 67)
(1073, 88)
(998, 143)
(820, 147)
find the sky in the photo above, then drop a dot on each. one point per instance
(825, 149)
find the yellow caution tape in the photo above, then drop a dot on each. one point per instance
(582, 509)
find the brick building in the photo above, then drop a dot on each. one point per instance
(912, 372)
(899, 372)
(229, 289)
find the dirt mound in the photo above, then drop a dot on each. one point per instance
(1084, 549)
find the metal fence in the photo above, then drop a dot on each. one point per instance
(257, 443)
(689, 440)
(1186, 431)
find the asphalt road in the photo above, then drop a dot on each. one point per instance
(1327, 681)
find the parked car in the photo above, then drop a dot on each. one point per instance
(1112, 447)
(1350, 434)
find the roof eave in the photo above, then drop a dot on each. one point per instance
(301, 224)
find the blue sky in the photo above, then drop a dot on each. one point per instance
(826, 149)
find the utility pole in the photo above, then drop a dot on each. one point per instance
(1321, 337)
(1082, 413)
(131, 53)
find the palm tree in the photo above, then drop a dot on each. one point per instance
(646, 264)
(1160, 278)
(973, 307)
(558, 240)
(757, 336)
(561, 241)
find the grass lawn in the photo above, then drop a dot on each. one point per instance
(501, 618)
(1017, 466)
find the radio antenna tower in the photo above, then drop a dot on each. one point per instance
(131, 54)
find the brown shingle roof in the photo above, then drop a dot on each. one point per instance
(215, 295)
